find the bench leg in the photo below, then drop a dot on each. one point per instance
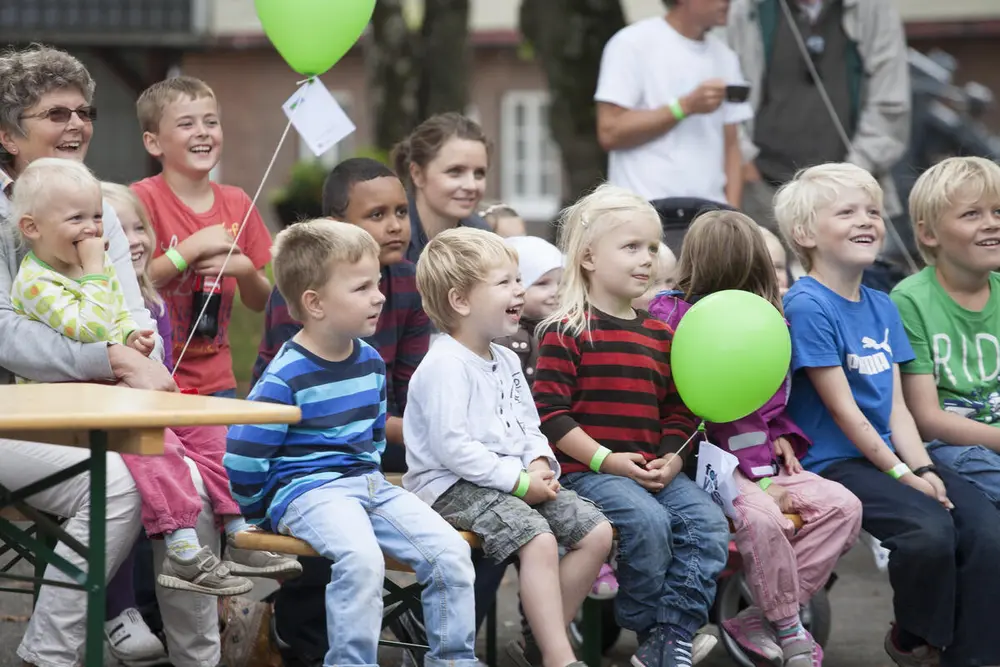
(591, 630)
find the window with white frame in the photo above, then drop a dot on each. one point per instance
(530, 166)
(341, 151)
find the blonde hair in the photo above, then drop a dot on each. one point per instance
(797, 202)
(305, 254)
(457, 259)
(120, 196)
(583, 224)
(951, 182)
(725, 250)
(42, 178)
(154, 100)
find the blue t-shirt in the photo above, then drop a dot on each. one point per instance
(342, 432)
(865, 338)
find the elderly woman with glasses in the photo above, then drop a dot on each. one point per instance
(46, 111)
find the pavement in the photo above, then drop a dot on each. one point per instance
(861, 602)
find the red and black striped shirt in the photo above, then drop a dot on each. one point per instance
(614, 382)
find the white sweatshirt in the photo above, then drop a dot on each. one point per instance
(469, 418)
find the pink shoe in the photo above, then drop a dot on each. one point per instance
(606, 584)
(755, 635)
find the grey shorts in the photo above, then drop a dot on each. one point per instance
(505, 523)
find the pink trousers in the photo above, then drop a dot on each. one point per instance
(785, 567)
(169, 498)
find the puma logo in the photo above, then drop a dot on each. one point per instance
(870, 344)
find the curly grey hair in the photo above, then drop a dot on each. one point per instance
(27, 75)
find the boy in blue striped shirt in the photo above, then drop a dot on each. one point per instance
(321, 480)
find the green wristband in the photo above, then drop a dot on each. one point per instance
(176, 259)
(898, 470)
(598, 458)
(523, 482)
(764, 483)
(676, 109)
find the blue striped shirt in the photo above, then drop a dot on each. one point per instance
(342, 432)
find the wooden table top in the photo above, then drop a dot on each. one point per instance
(51, 407)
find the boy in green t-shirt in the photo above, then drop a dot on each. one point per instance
(951, 313)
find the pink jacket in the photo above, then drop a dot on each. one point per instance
(750, 439)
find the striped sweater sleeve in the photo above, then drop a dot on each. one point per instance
(555, 382)
(677, 422)
(251, 449)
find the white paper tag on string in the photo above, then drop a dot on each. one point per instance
(317, 117)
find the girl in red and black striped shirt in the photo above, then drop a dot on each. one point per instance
(610, 409)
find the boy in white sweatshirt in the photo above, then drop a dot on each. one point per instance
(474, 450)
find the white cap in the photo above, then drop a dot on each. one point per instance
(536, 257)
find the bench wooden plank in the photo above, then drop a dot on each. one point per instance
(12, 514)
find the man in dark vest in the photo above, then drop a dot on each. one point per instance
(858, 49)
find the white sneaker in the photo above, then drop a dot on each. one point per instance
(131, 640)
(701, 646)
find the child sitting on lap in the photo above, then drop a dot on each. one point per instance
(473, 446)
(785, 567)
(847, 345)
(320, 480)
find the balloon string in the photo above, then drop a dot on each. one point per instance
(236, 239)
(699, 430)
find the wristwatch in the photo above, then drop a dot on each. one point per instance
(922, 470)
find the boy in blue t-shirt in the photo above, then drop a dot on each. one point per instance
(321, 480)
(847, 345)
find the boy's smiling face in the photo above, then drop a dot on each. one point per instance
(848, 233)
(189, 139)
(380, 207)
(967, 237)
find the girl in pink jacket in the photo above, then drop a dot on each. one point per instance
(784, 567)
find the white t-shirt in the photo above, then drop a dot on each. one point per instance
(648, 65)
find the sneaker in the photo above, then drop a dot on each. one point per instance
(650, 651)
(676, 650)
(755, 635)
(702, 646)
(204, 573)
(130, 639)
(922, 656)
(265, 564)
(524, 652)
(799, 652)
(606, 585)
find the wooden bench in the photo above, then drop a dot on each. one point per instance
(410, 595)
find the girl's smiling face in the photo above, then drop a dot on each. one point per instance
(140, 246)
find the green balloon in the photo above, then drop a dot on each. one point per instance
(312, 35)
(730, 354)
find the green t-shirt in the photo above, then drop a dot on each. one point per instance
(960, 347)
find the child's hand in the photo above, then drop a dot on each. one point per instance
(784, 449)
(542, 464)
(540, 489)
(142, 341)
(939, 489)
(780, 495)
(209, 241)
(631, 465)
(237, 266)
(665, 469)
(921, 485)
(91, 252)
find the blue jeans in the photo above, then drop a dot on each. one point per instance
(352, 522)
(977, 464)
(672, 546)
(225, 393)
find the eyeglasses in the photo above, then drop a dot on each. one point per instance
(62, 115)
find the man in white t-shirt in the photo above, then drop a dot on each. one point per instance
(662, 112)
